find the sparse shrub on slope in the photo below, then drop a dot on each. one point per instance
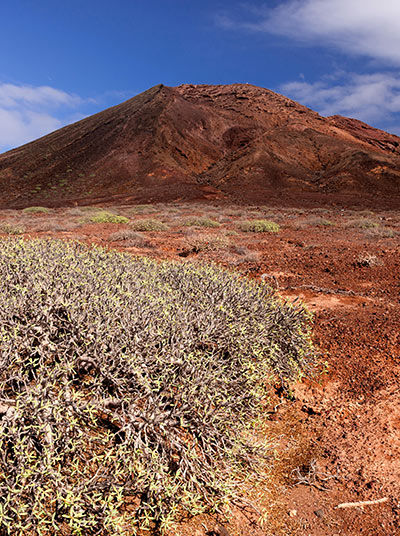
(362, 223)
(131, 237)
(148, 224)
(107, 217)
(129, 388)
(259, 226)
(201, 222)
(207, 242)
(143, 209)
(11, 228)
(36, 210)
(318, 221)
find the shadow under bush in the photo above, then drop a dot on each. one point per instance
(129, 388)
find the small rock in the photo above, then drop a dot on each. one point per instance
(218, 530)
(292, 513)
(319, 513)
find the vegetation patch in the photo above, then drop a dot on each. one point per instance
(259, 226)
(107, 217)
(317, 221)
(207, 242)
(246, 254)
(380, 232)
(130, 388)
(131, 238)
(362, 223)
(36, 210)
(143, 209)
(149, 224)
(12, 228)
(201, 222)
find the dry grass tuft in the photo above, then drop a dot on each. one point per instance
(130, 238)
(201, 222)
(148, 224)
(12, 228)
(259, 226)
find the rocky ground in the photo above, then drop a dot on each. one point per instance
(336, 438)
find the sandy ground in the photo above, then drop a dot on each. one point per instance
(336, 438)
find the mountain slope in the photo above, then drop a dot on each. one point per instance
(238, 142)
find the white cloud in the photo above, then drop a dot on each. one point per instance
(369, 97)
(366, 27)
(18, 127)
(28, 112)
(12, 96)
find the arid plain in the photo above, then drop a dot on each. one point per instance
(337, 438)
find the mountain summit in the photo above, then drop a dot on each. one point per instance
(238, 142)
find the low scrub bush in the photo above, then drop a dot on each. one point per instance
(317, 221)
(362, 223)
(148, 224)
(107, 217)
(88, 208)
(36, 210)
(259, 226)
(201, 222)
(207, 242)
(380, 232)
(231, 232)
(47, 226)
(131, 238)
(129, 388)
(11, 228)
(246, 254)
(143, 209)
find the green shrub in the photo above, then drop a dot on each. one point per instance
(36, 210)
(130, 389)
(259, 226)
(12, 228)
(107, 217)
(201, 222)
(149, 224)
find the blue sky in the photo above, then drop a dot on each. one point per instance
(62, 61)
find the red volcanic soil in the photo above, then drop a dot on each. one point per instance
(337, 439)
(237, 142)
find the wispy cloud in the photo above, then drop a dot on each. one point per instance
(28, 112)
(369, 97)
(12, 96)
(365, 27)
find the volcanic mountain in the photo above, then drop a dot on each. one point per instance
(237, 142)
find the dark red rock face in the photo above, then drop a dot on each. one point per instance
(237, 143)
